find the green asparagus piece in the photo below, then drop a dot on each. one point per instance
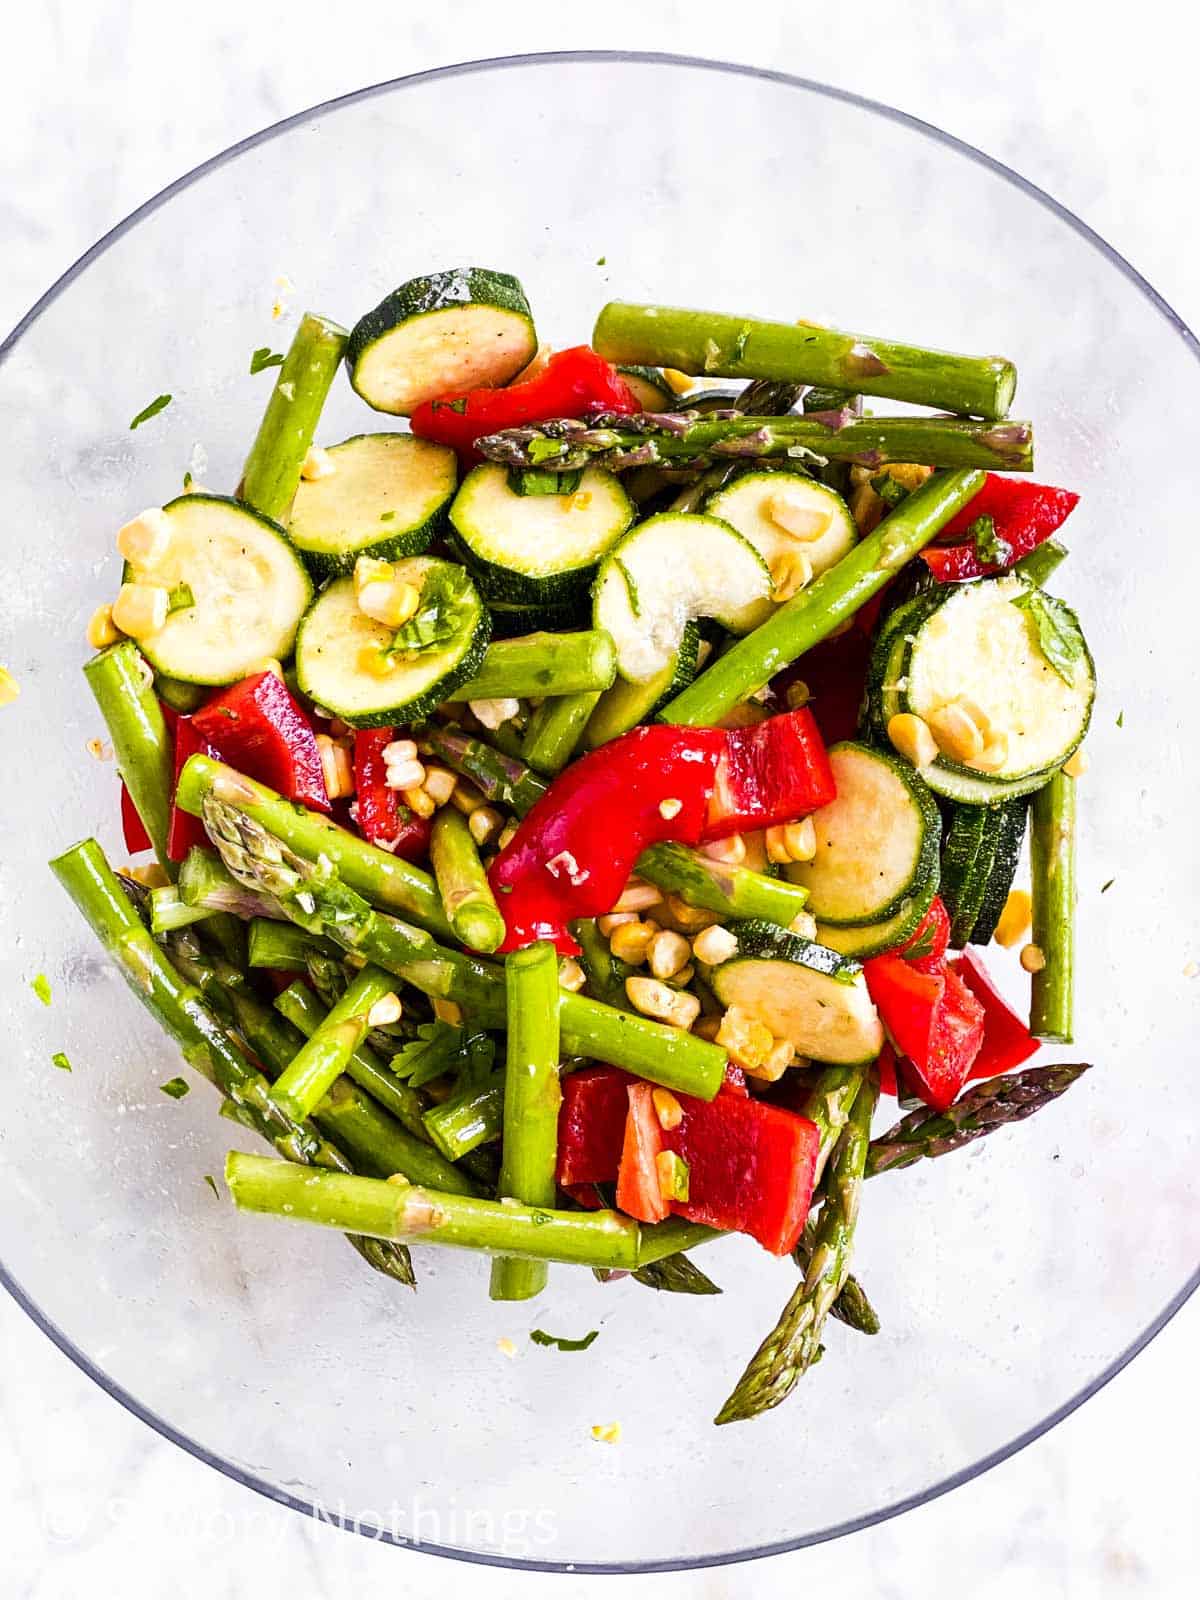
(555, 730)
(708, 343)
(325, 1055)
(504, 780)
(539, 664)
(652, 1050)
(1052, 862)
(605, 972)
(1040, 565)
(832, 599)
(168, 911)
(182, 697)
(531, 1100)
(404, 1211)
(791, 1347)
(386, 880)
(730, 891)
(272, 471)
(205, 883)
(468, 1119)
(121, 680)
(851, 1306)
(676, 1274)
(985, 1107)
(182, 1011)
(650, 439)
(467, 898)
(282, 946)
(662, 1240)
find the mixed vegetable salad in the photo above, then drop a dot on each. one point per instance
(572, 814)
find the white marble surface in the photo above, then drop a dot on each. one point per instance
(108, 106)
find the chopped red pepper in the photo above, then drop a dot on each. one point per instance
(1007, 1042)
(835, 675)
(1024, 515)
(136, 837)
(260, 729)
(591, 1125)
(639, 1193)
(573, 383)
(186, 831)
(885, 1066)
(926, 948)
(381, 817)
(934, 1021)
(771, 772)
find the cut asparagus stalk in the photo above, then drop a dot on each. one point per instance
(708, 343)
(467, 898)
(680, 440)
(814, 613)
(205, 883)
(409, 1213)
(1052, 860)
(324, 1056)
(502, 779)
(539, 664)
(669, 1238)
(282, 946)
(851, 1306)
(729, 890)
(1040, 565)
(555, 730)
(169, 912)
(531, 1101)
(468, 1119)
(829, 1104)
(386, 880)
(121, 680)
(272, 471)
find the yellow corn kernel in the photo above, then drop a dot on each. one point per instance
(666, 1108)
(789, 574)
(1015, 921)
(714, 945)
(582, 500)
(956, 732)
(507, 834)
(669, 953)
(730, 850)
(792, 512)
(678, 382)
(145, 541)
(571, 975)
(484, 823)
(376, 663)
(803, 925)
(776, 843)
(669, 809)
(614, 920)
(910, 735)
(140, 609)
(1078, 764)
(774, 1064)
(691, 919)
(449, 1012)
(800, 839)
(607, 1432)
(658, 1000)
(866, 508)
(537, 366)
(1033, 958)
(389, 602)
(420, 801)
(440, 783)
(747, 1041)
(101, 630)
(466, 797)
(404, 774)
(336, 768)
(151, 876)
(317, 464)
(368, 570)
(798, 694)
(638, 895)
(386, 1010)
(907, 474)
(630, 941)
(993, 755)
(507, 1348)
(495, 713)
(9, 687)
(398, 751)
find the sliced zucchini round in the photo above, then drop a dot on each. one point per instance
(625, 704)
(980, 645)
(537, 549)
(440, 335)
(876, 937)
(877, 842)
(249, 590)
(386, 499)
(804, 992)
(649, 388)
(747, 504)
(338, 645)
(673, 568)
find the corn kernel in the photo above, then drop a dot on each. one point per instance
(101, 630)
(1033, 958)
(571, 975)
(582, 500)
(798, 695)
(439, 784)
(389, 602)
(484, 824)
(404, 774)
(420, 801)
(790, 510)
(376, 663)
(956, 732)
(343, 761)
(368, 570)
(466, 797)
(714, 945)
(690, 918)
(317, 464)
(495, 713)
(669, 953)
(776, 842)
(656, 999)
(678, 382)
(669, 809)
(145, 541)
(507, 835)
(776, 1062)
(607, 1432)
(637, 895)
(1015, 921)
(789, 574)
(386, 1010)
(507, 1348)
(140, 609)
(449, 1012)
(9, 687)
(683, 977)
(907, 474)
(730, 851)
(666, 1108)
(993, 755)
(615, 919)
(151, 876)
(800, 839)
(537, 366)
(400, 750)
(910, 735)
(96, 748)
(631, 941)
(1078, 764)
(803, 925)
(747, 1041)
(866, 508)
(335, 767)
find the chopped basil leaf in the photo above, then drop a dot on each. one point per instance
(1058, 635)
(552, 1339)
(601, 261)
(532, 480)
(41, 987)
(888, 490)
(447, 600)
(159, 404)
(61, 1060)
(921, 947)
(180, 598)
(212, 1184)
(989, 546)
(187, 482)
(176, 1088)
(1120, 719)
(387, 516)
(457, 406)
(265, 357)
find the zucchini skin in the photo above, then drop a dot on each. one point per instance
(511, 621)
(767, 941)
(874, 939)
(624, 705)
(1014, 816)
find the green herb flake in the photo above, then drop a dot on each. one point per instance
(601, 261)
(1120, 719)
(263, 358)
(535, 481)
(176, 1088)
(545, 450)
(739, 345)
(387, 516)
(888, 490)
(541, 1218)
(446, 606)
(458, 406)
(160, 403)
(1057, 632)
(180, 598)
(989, 546)
(61, 1060)
(188, 480)
(539, 1336)
(212, 1184)
(41, 987)
(1105, 887)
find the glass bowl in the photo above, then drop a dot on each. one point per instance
(1012, 1280)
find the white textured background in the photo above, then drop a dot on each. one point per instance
(106, 103)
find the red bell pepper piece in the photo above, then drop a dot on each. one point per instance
(639, 1193)
(186, 831)
(258, 728)
(1007, 1042)
(1024, 514)
(382, 817)
(573, 383)
(772, 771)
(926, 948)
(591, 1125)
(934, 1021)
(136, 837)
(885, 1066)
(835, 674)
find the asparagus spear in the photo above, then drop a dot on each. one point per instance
(652, 1050)
(829, 1104)
(282, 946)
(206, 883)
(323, 1057)
(404, 1211)
(1052, 861)
(502, 779)
(468, 1119)
(531, 1100)
(677, 439)
(272, 471)
(676, 1274)
(543, 664)
(987, 1106)
(181, 1009)
(386, 880)
(121, 680)
(815, 612)
(467, 898)
(169, 912)
(662, 1240)
(1040, 565)
(792, 1345)
(730, 891)
(555, 730)
(605, 972)
(739, 347)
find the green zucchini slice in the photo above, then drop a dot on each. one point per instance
(386, 499)
(876, 937)
(650, 389)
(626, 704)
(440, 335)
(1014, 816)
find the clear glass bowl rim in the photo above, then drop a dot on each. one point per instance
(551, 59)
